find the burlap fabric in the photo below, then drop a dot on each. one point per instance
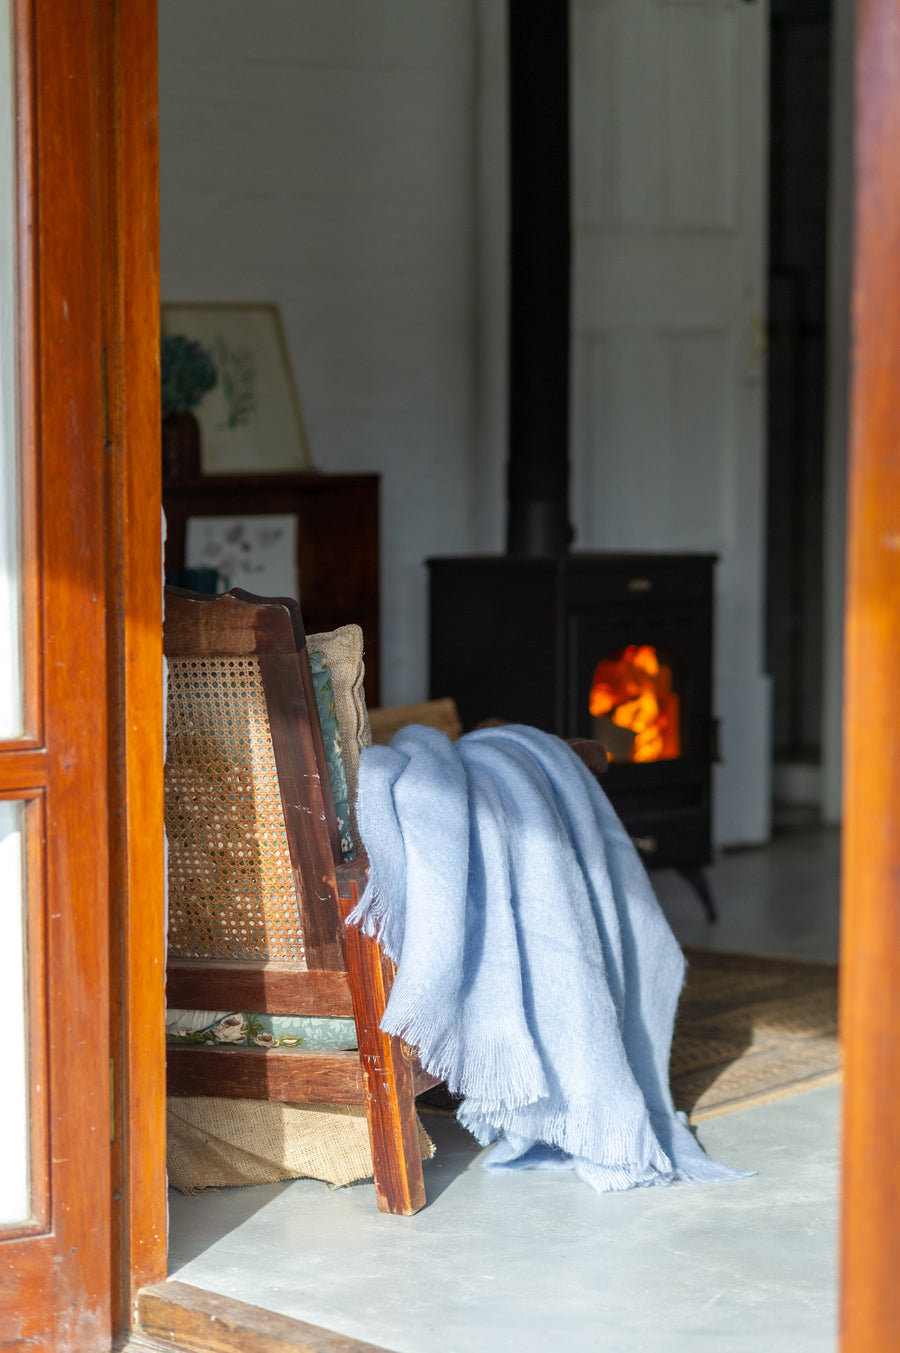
(213, 1143)
(440, 714)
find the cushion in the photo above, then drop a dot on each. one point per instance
(342, 651)
(306, 1033)
(323, 682)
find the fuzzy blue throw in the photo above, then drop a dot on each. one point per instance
(536, 973)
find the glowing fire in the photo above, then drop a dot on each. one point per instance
(632, 691)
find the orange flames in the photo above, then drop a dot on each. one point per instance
(634, 708)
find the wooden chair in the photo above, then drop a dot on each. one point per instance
(257, 887)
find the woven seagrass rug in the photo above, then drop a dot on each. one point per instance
(752, 1028)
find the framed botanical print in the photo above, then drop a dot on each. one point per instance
(251, 421)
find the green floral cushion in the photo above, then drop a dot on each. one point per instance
(308, 1033)
(342, 650)
(324, 687)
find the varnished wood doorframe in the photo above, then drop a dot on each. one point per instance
(89, 763)
(127, 87)
(175, 1317)
(871, 878)
(870, 954)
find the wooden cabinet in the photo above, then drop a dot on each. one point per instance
(337, 541)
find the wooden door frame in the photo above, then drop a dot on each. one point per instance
(88, 353)
(116, 39)
(129, 81)
(870, 999)
(870, 953)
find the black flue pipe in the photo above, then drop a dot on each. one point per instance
(540, 267)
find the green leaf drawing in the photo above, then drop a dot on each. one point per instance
(237, 374)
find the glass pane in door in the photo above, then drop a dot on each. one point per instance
(15, 1189)
(10, 582)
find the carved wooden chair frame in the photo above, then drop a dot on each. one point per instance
(346, 974)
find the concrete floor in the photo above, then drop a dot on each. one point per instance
(532, 1261)
(781, 899)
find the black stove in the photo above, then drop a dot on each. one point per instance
(612, 646)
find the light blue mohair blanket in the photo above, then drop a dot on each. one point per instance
(536, 973)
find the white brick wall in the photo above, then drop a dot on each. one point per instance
(320, 154)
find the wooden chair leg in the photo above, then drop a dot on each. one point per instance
(390, 1092)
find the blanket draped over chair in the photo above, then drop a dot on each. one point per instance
(536, 973)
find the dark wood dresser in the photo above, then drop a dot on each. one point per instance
(337, 541)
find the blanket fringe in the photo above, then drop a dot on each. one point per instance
(501, 1056)
(373, 916)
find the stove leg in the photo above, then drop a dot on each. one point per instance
(695, 876)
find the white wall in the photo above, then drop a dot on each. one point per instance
(321, 156)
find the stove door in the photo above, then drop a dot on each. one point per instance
(641, 684)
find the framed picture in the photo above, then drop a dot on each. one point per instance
(251, 421)
(256, 552)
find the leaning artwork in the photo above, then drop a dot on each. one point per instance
(251, 421)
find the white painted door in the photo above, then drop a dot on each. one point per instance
(669, 120)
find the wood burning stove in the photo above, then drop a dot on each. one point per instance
(545, 640)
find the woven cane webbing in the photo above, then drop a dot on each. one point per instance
(231, 889)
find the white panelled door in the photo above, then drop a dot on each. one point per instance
(669, 121)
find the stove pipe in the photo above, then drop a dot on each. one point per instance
(538, 461)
